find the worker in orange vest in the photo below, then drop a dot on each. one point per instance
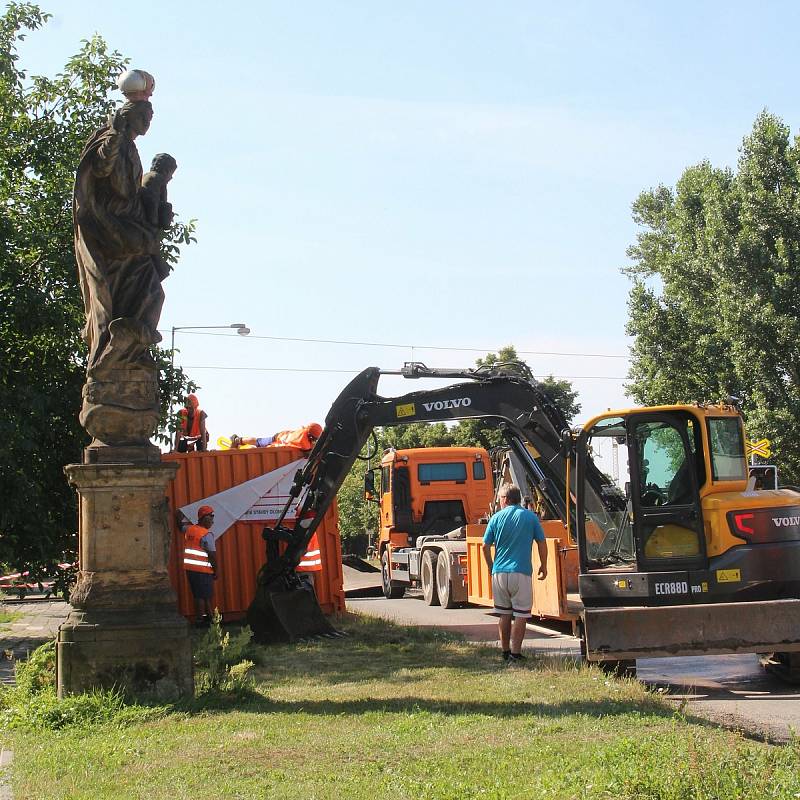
(200, 563)
(191, 434)
(301, 438)
(311, 562)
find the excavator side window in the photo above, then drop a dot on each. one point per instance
(728, 461)
(608, 515)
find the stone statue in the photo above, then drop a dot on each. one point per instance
(157, 210)
(124, 630)
(118, 219)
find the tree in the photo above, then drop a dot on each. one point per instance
(44, 123)
(715, 289)
(357, 516)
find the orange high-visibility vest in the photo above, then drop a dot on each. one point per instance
(195, 558)
(195, 427)
(298, 437)
(312, 560)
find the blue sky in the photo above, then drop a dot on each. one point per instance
(425, 174)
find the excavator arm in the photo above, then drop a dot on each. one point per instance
(504, 395)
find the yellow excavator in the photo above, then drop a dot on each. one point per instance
(678, 554)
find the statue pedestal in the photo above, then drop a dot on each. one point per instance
(124, 630)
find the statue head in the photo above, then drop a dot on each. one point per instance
(134, 118)
(164, 164)
(136, 84)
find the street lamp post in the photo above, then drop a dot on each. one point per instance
(239, 327)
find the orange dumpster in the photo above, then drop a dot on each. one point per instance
(241, 549)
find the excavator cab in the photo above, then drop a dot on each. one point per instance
(649, 516)
(678, 554)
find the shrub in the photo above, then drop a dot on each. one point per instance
(33, 703)
(39, 671)
(222, 656)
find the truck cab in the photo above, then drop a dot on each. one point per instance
(426, 494)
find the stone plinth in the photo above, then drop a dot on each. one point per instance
(124, 630)
(121, 405)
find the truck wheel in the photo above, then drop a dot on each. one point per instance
(390, 590)
(443, 584)
(427, 575)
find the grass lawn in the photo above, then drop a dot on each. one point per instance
(7, 616)
(391, 712)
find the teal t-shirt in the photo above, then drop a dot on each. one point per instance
(513, 531)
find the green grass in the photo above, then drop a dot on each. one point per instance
(7, 617)
(392, 713)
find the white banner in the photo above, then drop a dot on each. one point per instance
(260, 499)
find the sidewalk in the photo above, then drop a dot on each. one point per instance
(37, 624)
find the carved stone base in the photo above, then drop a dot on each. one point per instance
(125, 629)
(97, 453)
(146, 653)
(121, 405)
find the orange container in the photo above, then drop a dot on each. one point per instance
(552, 598)
(241, 549)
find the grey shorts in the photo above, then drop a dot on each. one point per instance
(512, 593)
(201, 584)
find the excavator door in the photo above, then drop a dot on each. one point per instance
(640, 497)
(663, 456)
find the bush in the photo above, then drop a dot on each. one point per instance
(39, 671)
(356, 544)
(33, 703)
(222, 656)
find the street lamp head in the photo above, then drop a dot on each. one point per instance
(237, 325)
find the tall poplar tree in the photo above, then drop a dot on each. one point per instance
(713, 306)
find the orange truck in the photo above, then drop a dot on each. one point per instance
(434, 503)
(427, 498)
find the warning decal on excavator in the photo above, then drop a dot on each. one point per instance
(406, 410)
(729, 575)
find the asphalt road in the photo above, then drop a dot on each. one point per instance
(731, 690)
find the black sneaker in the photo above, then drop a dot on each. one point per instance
(516, 658)
(506, 655)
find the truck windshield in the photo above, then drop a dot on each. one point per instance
(426, 473)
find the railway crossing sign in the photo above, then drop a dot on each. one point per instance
(761, 448)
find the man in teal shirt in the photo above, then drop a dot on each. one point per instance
(512, 531)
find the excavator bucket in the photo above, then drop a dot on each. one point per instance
(285, 611)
